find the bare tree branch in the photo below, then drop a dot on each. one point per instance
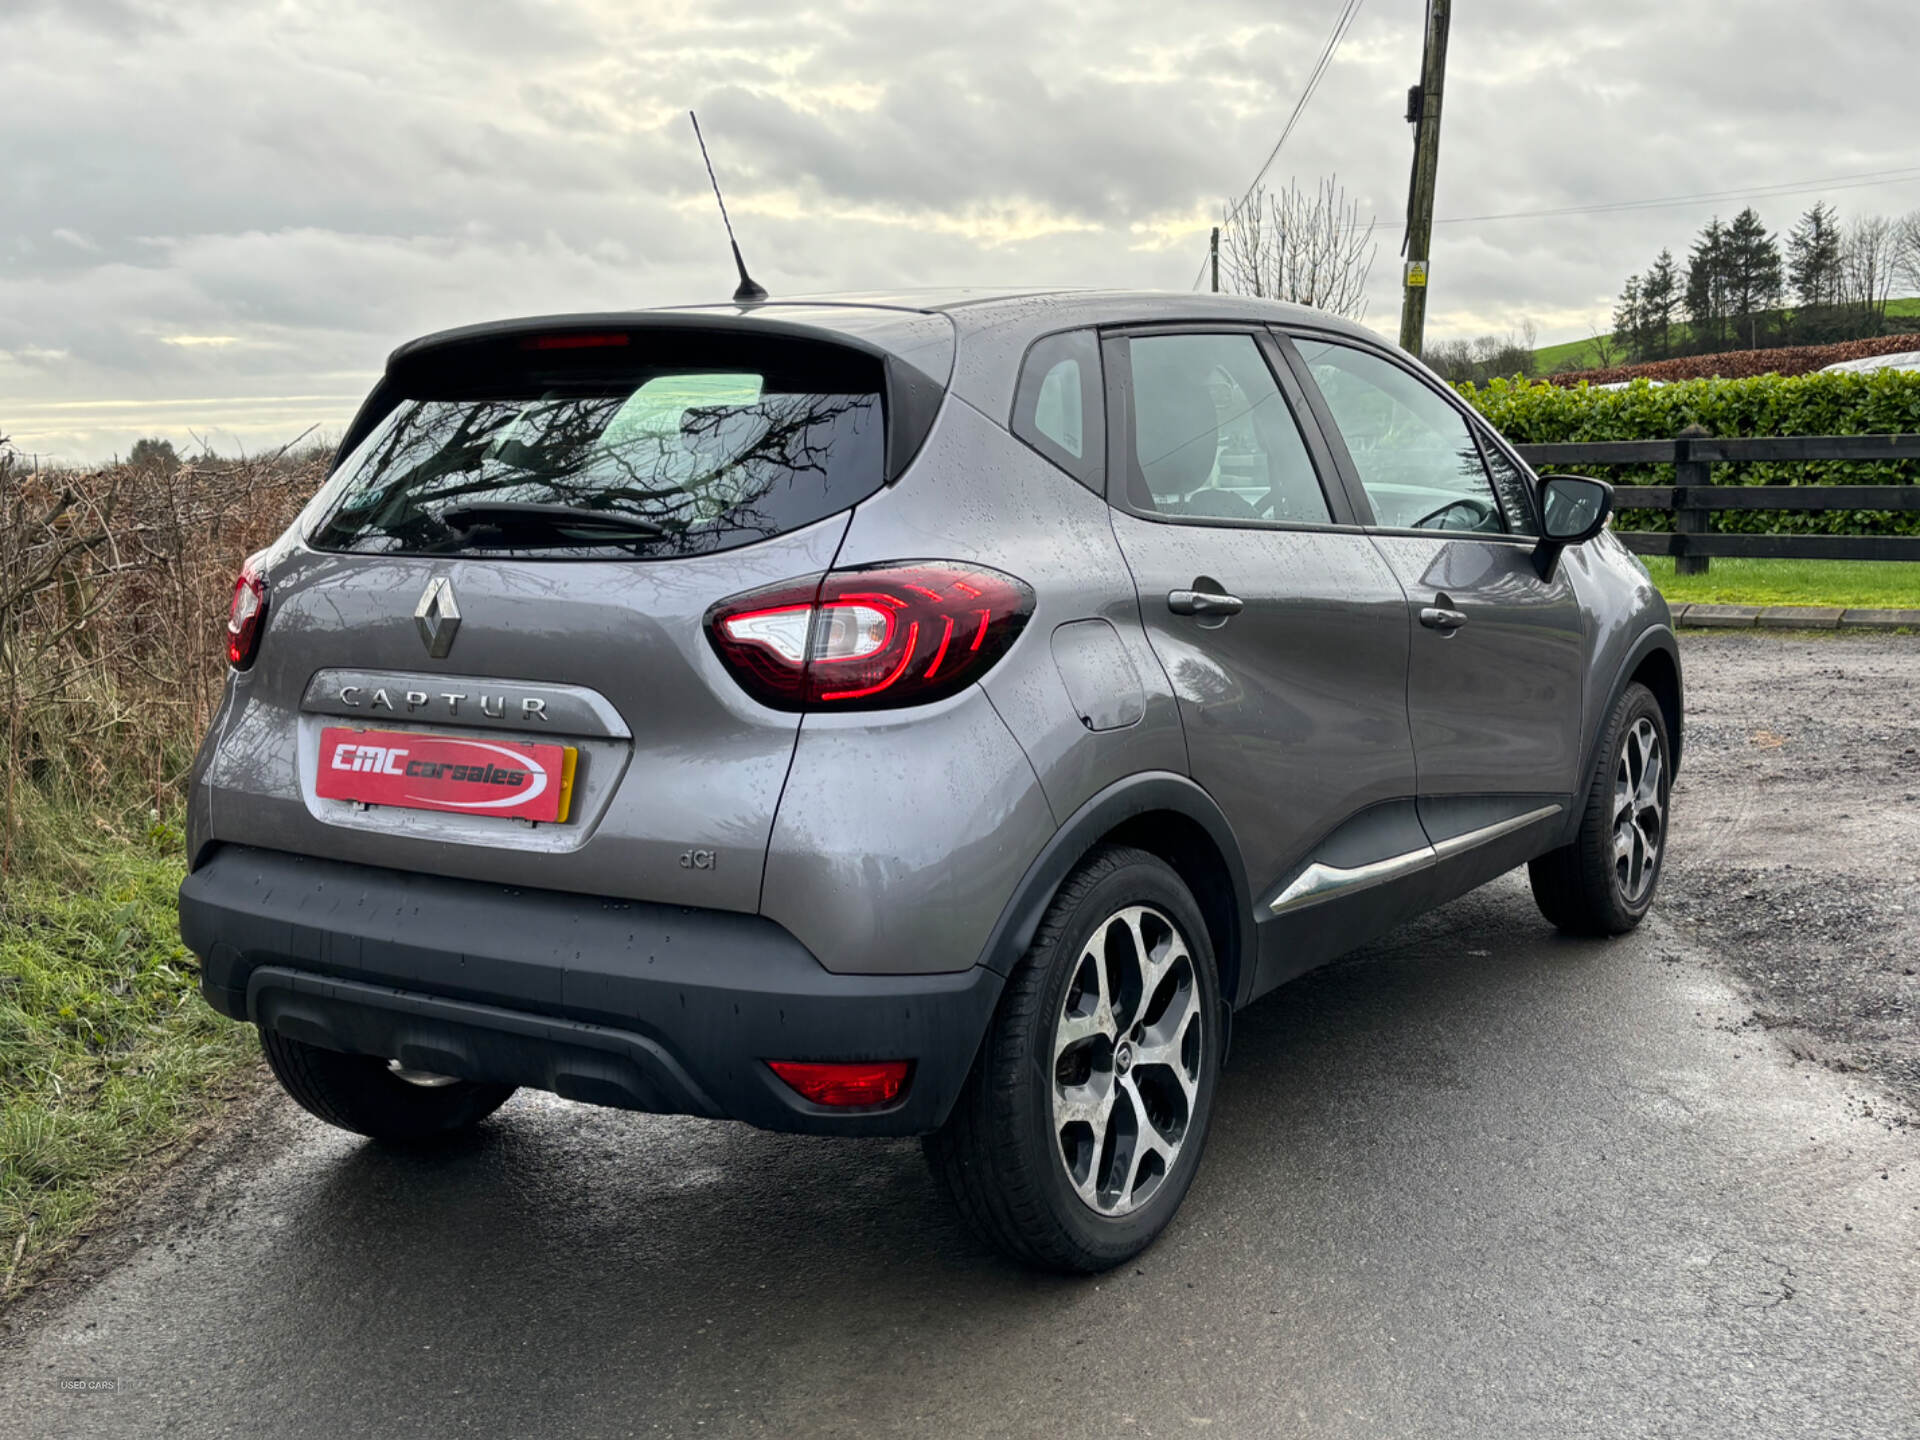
(1304, 247)
(1869, 258)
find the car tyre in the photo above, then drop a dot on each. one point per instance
(364, 1094)
(1082, 1122)
(1604, 882)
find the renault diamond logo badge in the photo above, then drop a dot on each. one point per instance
(438, 617)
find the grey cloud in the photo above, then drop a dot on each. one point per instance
(117, 18)
(309, 184)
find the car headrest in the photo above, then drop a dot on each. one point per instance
(1176, 429)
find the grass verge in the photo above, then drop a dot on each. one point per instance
(108, 1056)
(1854, 584)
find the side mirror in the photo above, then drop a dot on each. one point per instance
(1574, 509)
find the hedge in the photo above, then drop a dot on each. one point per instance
(1786, 360)
(1880, 403)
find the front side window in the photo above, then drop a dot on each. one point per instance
(1213, 438)
(1416, 455)
(671, 462)
(1058, 408)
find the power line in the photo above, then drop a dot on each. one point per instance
(1860, 181)
(1343, 22)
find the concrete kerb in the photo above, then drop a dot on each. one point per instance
(1880, 620)
(1792, 617)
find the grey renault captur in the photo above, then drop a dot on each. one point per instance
(903, 715)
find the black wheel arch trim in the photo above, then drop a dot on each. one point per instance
(1654, 637)
(1119, 802)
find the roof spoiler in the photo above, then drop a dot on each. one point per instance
(911, 396)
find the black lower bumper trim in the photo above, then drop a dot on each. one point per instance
(648, 1007)
(475, 1042)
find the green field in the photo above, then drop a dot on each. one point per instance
(1554, 357)
(1856, 584)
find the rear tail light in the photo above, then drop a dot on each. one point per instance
(247, 615)
(867, 1082)
(870, 639)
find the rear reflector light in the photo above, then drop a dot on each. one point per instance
(247, 615)
(869, 639)
(868, 1082)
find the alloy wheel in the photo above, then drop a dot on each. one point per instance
(1127, 1060)
(1639, 810)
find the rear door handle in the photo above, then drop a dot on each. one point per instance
(1203, 602)
(1438, 617)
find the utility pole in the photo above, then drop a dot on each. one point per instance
(1213, 253)
(1423, 111)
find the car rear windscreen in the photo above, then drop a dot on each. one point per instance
(581, 456)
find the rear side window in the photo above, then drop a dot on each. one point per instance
(1213, 438)
(592, 461)
(1057, 406)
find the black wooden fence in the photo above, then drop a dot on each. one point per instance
(1693, 497)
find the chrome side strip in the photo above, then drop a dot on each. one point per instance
(1454, 845)
(1322, 882)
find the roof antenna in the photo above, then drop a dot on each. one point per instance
(749, 293)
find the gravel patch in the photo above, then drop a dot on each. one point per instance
(1795, 852)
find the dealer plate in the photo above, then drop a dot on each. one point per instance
(414, 770)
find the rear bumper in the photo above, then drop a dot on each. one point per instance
(646, 1007)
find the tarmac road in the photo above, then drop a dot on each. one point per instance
(1476, 1181)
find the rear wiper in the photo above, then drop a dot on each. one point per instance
(531, 524)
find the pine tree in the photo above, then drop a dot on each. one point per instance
(1814, 257)
(1753, 273)
(1707, 287)
(1627, 323)
(1659, 303)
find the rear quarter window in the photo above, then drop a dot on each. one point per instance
(699, 457)
(1059, 408)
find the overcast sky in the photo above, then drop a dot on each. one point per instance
(221, 214)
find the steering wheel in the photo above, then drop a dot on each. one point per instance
(1480, 511)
